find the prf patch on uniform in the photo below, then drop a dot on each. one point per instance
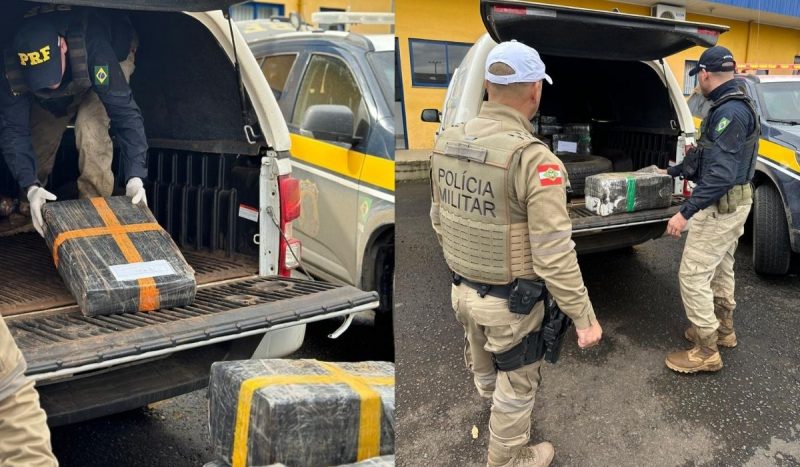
(723, 123)
(101, 75)
(550, 174)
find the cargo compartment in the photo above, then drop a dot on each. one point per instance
(633, 124)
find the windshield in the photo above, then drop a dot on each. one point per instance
(781, 101)
(382, 64)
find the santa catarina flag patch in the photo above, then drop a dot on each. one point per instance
(550, 174)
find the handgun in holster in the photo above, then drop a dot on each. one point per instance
(554, 328)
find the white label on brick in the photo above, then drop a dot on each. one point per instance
(134, 271)
(567, 146)
(248, 212)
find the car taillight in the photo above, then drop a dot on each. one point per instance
(288, 258)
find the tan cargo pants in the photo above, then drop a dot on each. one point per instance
(706, 272)
(490, 328)
(24, 436)
(95, 150)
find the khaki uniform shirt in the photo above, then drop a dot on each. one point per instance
(544, 196)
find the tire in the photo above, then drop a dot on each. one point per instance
(384, 314)
(580, 167)
(772, 252)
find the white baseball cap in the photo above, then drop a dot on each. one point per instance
(525, 61)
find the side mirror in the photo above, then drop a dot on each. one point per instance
(327, 122)
(431, 115)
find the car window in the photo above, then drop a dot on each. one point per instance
(781, 101)
(328, 80)
(698, 104)
(276, 68)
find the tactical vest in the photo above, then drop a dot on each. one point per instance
(78, 60)
(749, 151)
(484, 228)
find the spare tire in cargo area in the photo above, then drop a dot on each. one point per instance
(581, 166)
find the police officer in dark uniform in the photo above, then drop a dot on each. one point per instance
(721, 166)
(67, 64)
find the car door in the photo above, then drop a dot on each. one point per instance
(329, 172)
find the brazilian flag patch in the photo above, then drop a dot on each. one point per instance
(723, 123)
(101, 75)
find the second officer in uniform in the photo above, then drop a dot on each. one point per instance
(499, 209)
(721, 166)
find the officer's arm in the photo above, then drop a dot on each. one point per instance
(127, 123)
(675, 170)
(552, 248)
(15, 136)
(728, 131)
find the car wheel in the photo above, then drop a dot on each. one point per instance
(384, 314)
(772, 252)
(580, 167)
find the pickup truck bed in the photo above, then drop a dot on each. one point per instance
(232, 302)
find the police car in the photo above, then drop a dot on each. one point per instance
(336, 91)
(776, 205)
(220, 183)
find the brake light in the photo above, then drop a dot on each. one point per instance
(290, 248)
(512, 10)
(290, 198)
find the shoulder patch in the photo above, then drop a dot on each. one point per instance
(722, 124)
(101, 75)
(550, 174)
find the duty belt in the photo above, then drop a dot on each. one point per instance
(495, 290)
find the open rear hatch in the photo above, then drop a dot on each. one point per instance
(584, 220)
(232, 302)
(578, 32)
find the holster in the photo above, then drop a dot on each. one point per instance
(530, 350)
(554, 329)
(546, 342)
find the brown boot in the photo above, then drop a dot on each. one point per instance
(538, 455)
(725, 317)
(704, 356)
(723, 340)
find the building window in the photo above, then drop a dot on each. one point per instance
(433, 62)
(689, 82)
(253, 10)
(796, 62)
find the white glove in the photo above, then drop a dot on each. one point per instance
(135, 189)
(37, 196)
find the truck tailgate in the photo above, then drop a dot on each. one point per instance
(62, 342)
(584, 220)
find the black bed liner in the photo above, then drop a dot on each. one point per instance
(53, 341)
(583, 219)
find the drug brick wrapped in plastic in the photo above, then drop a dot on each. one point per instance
(301, 412)
(383, 461)
(616, 192)
(115, 258)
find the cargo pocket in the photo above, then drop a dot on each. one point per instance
(501, 327)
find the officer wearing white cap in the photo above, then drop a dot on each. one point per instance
(499, 210)
(722, 167)
(66, 64)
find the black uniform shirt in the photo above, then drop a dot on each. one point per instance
(127, 123)
(721, 164)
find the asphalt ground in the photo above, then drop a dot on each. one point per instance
(617, 404)
(175, 432)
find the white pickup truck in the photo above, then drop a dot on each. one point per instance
(220, 183)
